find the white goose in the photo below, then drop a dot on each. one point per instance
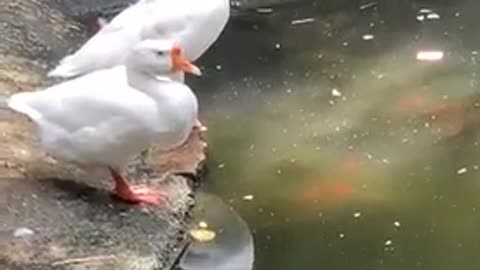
(195, 24)
(109, 116)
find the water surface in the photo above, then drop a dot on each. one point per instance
(340, 144)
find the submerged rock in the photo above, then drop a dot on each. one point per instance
(56, 215)
(220, 238)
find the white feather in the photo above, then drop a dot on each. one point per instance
(106, 118)
(194, 24)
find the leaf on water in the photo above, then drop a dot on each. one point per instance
(202, 235)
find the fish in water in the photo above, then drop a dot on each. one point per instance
(335, 186)
(447, 116)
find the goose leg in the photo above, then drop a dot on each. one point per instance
(136, 194)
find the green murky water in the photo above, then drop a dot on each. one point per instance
(339, 145)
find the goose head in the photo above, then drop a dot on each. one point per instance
(160, 57)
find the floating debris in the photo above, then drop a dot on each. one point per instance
(433, 16)
(425, 10)
(235, 4)
(396, 224)
(278, 46)
(462, 171)
(203, 224)
(218, 67)
(427, 14)
(388, 242)
(336, 93)
(265, 10)
(303, 21)
(357, 214)
(202, 235)
(368, 37)
(368, 5)
(429, 55)
(341, 236)
(248, 197)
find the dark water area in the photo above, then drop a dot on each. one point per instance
(348, 138)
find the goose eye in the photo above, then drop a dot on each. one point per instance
(160, 53)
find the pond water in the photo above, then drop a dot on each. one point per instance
(349, 139)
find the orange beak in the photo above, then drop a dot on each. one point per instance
(180, 63)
